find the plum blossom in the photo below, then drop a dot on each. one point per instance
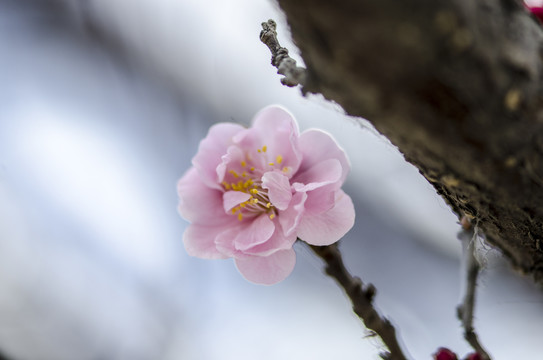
(251, 192)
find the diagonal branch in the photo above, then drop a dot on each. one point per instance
(361, 297)
(465, 310)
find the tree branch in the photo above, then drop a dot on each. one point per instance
(457, 85)
(362, 299)
(465, 310)
(294, 75)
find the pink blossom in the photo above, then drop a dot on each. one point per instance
(253, 191)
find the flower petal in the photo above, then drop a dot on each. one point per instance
(327, 149)
(278, 241)
(320, 174)
(290, 218)
(199, 203)
(231, 160)
(275, 128)
(232, 199)
(199, 241)
(320, 200)
(278, 187)
(254, 232)
(211, 149)
(328, 227)
(225, 240)
(267, 270)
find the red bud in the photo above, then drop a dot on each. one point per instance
(444, 354)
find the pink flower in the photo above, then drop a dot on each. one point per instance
(252, 192)
(444, 354)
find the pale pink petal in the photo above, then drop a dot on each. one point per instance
(232, 199)
(231, 160)
(320, 200)
(211, 149)
(328, 227)
(197, 202)
(290, 218)
(275, 128)
(267, 270)
(278, 187)
(318, 175)
(273, 118)
(278, 241)
(254, 232)
(225, 240)
(318, 146)
(199, 241)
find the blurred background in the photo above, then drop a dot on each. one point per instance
(102, 106)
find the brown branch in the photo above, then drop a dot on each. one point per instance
(294, 75)
(361, 297)
(466, 309)
(457, 86)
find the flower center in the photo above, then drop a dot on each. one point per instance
(249, 181)
(258, 201)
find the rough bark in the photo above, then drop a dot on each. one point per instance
(457, 86)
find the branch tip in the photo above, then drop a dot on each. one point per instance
(286, 66)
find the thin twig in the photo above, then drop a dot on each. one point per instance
(293, 75)
(361, 297)
(465, 310)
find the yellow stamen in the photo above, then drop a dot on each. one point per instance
(268, 205)
(234, 173)
(259, 150)
(264, 148)
(285, 169)
(240, 217)
(271, 164)
(226, 185)
(271, 216)
(252, 168)
(243, 204)
(279, 159)
(253, 191)
(234, 210)
(243, 163)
